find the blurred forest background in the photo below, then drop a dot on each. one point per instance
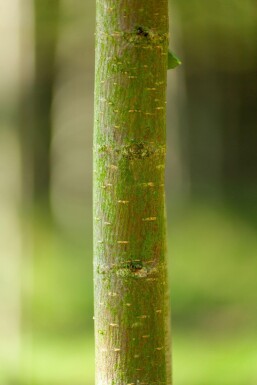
(46, 116)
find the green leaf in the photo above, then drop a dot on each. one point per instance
(173, 60)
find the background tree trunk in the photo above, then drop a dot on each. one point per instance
(131, 293)
(46, 37)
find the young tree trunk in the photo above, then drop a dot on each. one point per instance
(130, 272)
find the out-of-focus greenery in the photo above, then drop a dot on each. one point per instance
(212, 251)
(46, 283)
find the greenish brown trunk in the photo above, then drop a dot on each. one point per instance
(130, 271)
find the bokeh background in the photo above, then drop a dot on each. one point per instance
(46, 123)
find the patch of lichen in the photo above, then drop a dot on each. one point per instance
(140, 35)
(133, 265)
(137, 150)
(130, 269)
(133, 150)
(127, 268)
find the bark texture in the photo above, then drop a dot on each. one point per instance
(130, 272)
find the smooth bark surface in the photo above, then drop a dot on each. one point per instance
(130, 272)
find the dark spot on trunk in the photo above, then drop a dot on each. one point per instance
(133, 266)
(141, 31)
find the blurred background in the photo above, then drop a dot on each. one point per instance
(46, 123)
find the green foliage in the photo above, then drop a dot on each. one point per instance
(212, 248)
(173, 60)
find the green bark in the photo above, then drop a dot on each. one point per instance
(130, 271)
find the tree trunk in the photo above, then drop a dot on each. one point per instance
(130, 271)
(46, 37)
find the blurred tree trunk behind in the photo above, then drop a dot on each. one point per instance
(46, 35)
